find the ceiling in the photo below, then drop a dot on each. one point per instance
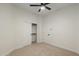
(53, 6)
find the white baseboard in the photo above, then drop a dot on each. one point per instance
(63, 47)
(17, 47)
(6, 53)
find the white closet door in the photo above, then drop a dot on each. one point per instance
(28, 31)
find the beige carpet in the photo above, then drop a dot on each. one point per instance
(41, 49)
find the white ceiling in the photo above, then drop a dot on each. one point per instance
(54, 6)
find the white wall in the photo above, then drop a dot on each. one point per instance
(62, 26)
(6, 29)
(15, 27)
(24, 22)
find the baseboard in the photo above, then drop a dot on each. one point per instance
(6, 53)
(18, 47)
(62, 47)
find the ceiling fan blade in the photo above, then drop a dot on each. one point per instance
(46, 3)
(48, 8)
(39, 10)
(35, 5)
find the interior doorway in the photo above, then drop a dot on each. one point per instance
(34, 33)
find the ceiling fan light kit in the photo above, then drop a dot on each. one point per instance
(43, 6)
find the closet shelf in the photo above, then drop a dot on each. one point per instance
(33, 33)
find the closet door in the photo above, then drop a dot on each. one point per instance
(28, 31)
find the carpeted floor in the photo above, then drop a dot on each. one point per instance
(41, 49)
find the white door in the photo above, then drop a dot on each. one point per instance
(28, 31)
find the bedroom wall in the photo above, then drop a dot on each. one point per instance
(60, 28)
(24, 22)
(7, 38)
(15, 27)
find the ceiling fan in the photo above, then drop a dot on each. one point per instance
(42, 5)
